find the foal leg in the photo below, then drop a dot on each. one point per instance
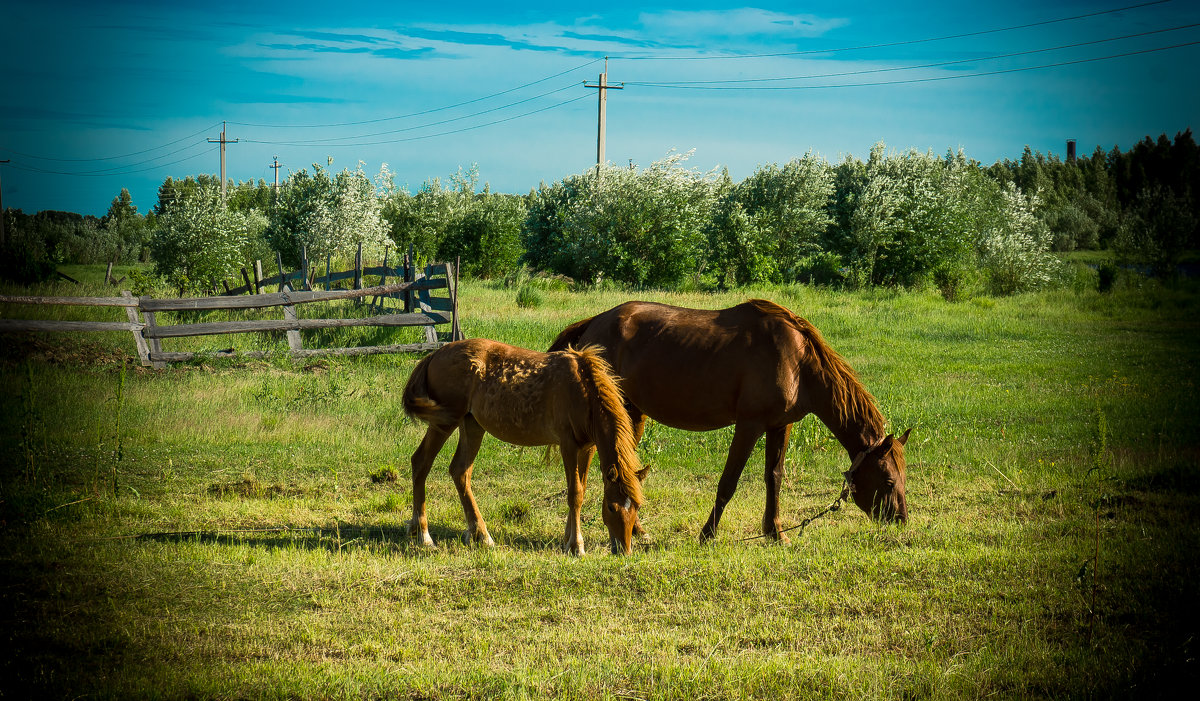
(576, 460)
(777, 443)
(744, 438)
(638, 419)
(422, 460)
(470, 436)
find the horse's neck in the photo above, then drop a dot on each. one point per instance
(855, 433)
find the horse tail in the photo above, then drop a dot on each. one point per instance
(608, 416)
(418, 404)
(569, 337)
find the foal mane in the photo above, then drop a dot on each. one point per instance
(607, 415)
(850, 399)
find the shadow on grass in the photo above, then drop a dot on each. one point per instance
(344, 536)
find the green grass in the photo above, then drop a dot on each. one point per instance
(231, 542)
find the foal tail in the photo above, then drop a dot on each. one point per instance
(609, 418)
(417, 402)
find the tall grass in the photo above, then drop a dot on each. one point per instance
(246, 550)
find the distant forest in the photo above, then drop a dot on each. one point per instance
(855, 223)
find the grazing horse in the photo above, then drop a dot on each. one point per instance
(569, 398)
(759, 367)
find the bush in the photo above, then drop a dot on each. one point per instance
(822, 268)
(528, 297)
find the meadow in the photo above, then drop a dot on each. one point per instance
(236, 529)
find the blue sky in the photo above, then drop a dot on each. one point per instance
(103, 95)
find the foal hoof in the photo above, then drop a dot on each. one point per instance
(485, 540)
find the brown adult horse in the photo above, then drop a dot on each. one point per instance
(524, 397)
(759, 367)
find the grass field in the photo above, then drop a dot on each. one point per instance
(229, 530)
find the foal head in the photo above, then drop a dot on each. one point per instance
(621, 509)
(877, 480)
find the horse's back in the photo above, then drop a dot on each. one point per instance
(698, 369)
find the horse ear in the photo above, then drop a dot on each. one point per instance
(904, 438)
(643, 473)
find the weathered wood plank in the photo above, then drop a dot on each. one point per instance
(305, 353)
(37, 325)
(279, 299)
(71, 301)
(227, 327)
(139, 341)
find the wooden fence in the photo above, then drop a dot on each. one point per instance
(415, 307)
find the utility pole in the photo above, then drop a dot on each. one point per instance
(223, 141)
(3, 234)
(603, 87)
(4, 237)
(276, 166)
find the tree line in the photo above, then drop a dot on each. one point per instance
(896, 219)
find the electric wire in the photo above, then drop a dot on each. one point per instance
(422, 112)
(327, 140)
(907, 42)
(933, 78)
(867, 71)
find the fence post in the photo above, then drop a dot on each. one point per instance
(409, 276)
(279, 264)
(378, 300)
(155, 344)
(289, 313)
(139, 340)
(258, 276)
(456, 333)
(304, 268)
(358, 281)
(328, 283)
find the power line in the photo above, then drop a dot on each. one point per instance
(931, 79)
(420, 113)
(866, 71)
(113, 158)
(327, 140)
(442, 133)
(896, 43)
(93, 174)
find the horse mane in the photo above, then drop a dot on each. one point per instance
(607, 406)
(850, 399)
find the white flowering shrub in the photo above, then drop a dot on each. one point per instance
(327, 216)
(1014, 252)
(765, 226)
(199, 241)
(644, 228)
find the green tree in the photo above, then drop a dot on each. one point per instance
(125, 230)
(766, 225)
(199, 241)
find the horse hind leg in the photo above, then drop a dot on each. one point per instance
(776, 449)
(470, 437)
(744, 438)
(422, 461)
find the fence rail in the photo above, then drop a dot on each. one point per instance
(420, 308)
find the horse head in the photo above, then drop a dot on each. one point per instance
(877, 478)
(621, 509)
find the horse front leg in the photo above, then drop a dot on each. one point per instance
(470, 437)
(638, 419)
(744, 438)
(422, 461)
(576, 460)
(776, 448)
